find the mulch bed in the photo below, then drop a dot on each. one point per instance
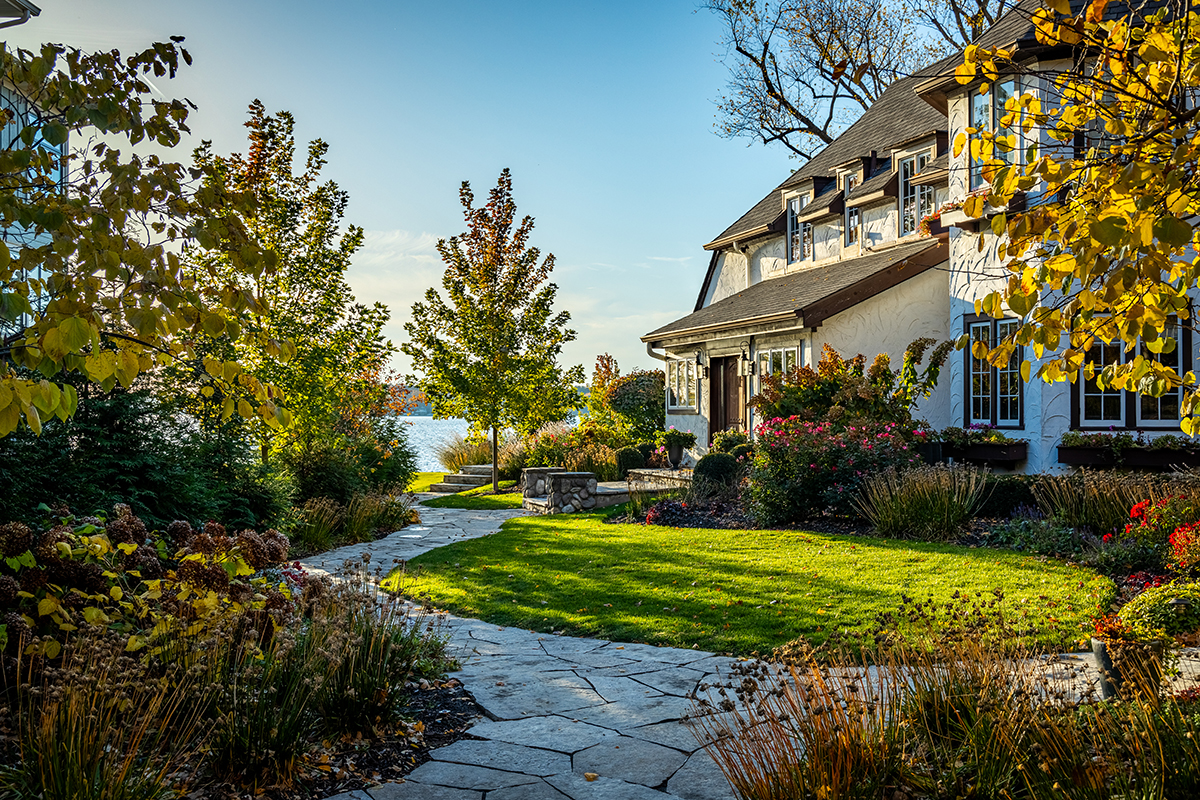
(439, 714)
(729, 515)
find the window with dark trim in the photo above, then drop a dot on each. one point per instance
(916, 202)
(987, 112)
(1093, 407)
(800, 234)
(994, 395)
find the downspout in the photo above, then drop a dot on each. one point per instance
(663, 358)
(12, 23)
(27, 10)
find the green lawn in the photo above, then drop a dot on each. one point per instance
(728, 591)
(423, 480)
(480, 498)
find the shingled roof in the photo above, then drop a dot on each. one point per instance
(814, 294)
(895, 117)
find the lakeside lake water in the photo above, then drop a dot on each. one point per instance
(426, 433)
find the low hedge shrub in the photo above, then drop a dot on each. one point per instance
(629, 458)
(718, 468)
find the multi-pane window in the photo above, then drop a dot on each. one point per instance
(987, 114)
(778, 361)
(852, 225)
(916, 202)
(681, 384)
(996, 393)
(1109, 407)
(1103, 405)
(800, 234)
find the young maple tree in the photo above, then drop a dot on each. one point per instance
(1104, 249)
(339, 348)
(91, 279)
(488, 351)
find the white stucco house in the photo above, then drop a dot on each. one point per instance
(835, 254)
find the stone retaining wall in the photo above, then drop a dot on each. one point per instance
(536, 480)
(572, 491)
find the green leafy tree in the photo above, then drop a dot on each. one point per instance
(1106, 250)
(488, 351)
(333, 377)
(91, 280)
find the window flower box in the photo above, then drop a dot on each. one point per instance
(1001, 453)
(1086, 456)
(1160, 458)
(1147, 458)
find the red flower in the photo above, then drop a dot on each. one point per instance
(1139, 510)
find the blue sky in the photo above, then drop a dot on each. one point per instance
(604, 112)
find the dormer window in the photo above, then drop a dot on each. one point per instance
(800, 234)
(916, 202)
(987, 114)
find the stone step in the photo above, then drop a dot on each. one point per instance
(467, 480)
(477, 469)
(452, 488)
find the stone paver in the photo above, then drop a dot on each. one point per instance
(630, 760)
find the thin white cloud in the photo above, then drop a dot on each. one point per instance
(678, 260)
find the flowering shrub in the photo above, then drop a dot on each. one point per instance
(846, 388)
(801, 469)
(143, 584)
(671, 436)
(1152, 522)
(1185, 546)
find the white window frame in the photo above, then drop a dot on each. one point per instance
(1115, 353)
(785, 358)
(683, 385)
(916, 202)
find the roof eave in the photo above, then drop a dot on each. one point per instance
(683, 333)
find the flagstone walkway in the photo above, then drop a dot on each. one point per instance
(558, 708)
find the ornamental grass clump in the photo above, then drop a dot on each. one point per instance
(1097, 501)
(929, 503)
(457, 452)
(98, 723)
(940, 702)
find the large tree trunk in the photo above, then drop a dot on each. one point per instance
(495, 464)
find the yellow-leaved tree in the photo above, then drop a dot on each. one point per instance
(1096, 218)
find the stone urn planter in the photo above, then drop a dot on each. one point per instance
(1128, 669)
(675, 455)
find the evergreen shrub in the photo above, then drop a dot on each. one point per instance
(720, 468)
(629, 458)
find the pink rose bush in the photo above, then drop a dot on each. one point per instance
(802, 469)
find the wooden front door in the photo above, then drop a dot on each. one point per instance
(728, 407)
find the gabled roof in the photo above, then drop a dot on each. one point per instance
(880, 186)
(822, 205)
(813, 294)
